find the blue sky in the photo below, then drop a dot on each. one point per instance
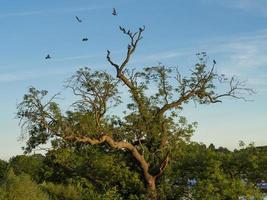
(234, 32)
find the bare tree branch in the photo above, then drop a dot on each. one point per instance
(134, 39)
(201, 87)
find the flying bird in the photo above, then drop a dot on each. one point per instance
(85, 39)
(114, 12)
(48, 56)
(78, 19)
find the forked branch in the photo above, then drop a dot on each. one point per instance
(201, 88)
(134, 39)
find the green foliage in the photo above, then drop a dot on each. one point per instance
(87, 173)
(208, 167)
(94, 168)
(3, 168)
(220, 187)
(3, 194)
(62, 192)
(21, 188)
(111, 194)
(72, 192)
(31, 165)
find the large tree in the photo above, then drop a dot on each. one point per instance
(150, 129)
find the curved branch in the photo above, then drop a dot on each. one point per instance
(104, 138)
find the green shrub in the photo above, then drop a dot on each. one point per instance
(21, 188)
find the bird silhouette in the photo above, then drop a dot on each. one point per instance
(48, 56)
(214, 62)
(78, 19)
(114, 12)
(85, 39)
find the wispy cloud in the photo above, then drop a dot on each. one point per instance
(245, 51)
(162, 56)
(78, 57)
(39, 12)
(241, 55)
(20, 14)
(11, 77)
(255, 6)
(14, 76)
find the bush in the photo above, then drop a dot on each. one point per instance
(20, 188)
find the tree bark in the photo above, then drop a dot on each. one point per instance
(150, 179)
(151, 188)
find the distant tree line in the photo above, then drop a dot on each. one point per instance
(85, 173)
